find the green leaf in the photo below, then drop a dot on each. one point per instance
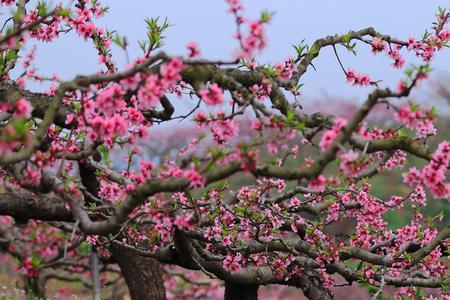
(119, 41)
(266, 16)
(20, 127)
(300, 126)
(414, 107)
(76, 106)
(11, 55)
(433, 111)
(42, 9)
(35, 261)
(346, 38)
(84, 248)
(409, 72)
(63, 12)
(300, 49)
(105, 154)
(313, 51)
(290, 116)
(143, 45)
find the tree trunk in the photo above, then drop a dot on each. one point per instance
(95, 276)
(312, 285)
(143, 275)
(234, 291)
(34, 288)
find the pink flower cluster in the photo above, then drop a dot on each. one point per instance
(7, 2)
(23, 109)
(263, 90)
(417, 120)
(233, 262)
(351, 164)
(45, 32)
(212, 95)
(156, 86)
(224, 130)
(287, 69)
(358, 79)
(150, 93)
(92, 239)
(83, 25)
(235, 5)
(106, 128)
(170, 72)
(397, 160)
(29, 268)
(195, 179)
(426, 49)
(110, 100)
(255, 38)
(393, 51)
(329, 135)
(378, 45)
(110, 191)
(432, 175)
(193, 50)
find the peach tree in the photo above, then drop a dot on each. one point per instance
(247, 194)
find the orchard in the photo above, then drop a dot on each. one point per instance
(109, 183)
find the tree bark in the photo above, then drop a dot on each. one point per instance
(95, 275)
(143, 275)
(34, 288)
(312, 285)
(235, 291)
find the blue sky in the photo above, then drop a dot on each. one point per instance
(207, 23)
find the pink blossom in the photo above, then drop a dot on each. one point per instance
(111, 100)
(425, 129)
(107, 128)
(86, 30)
(351, 164)
(294, 202)
(109, 191)
(233, 263)
(212, 95)
(272, 149)
(378, 45)
(394, 53)
(196, 180)
(235, 5)
(193, 50)
(23, 109)
(262, 91)
(329, 136)
(170, 72)
(150, 92)
(433, 174)
(181, 222)
(92, 239)
(226, 241)
(8, 2)
(428, 235)
(224, 130)
(357, 79)
(419, 196)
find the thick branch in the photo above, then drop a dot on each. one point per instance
(26, 206)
